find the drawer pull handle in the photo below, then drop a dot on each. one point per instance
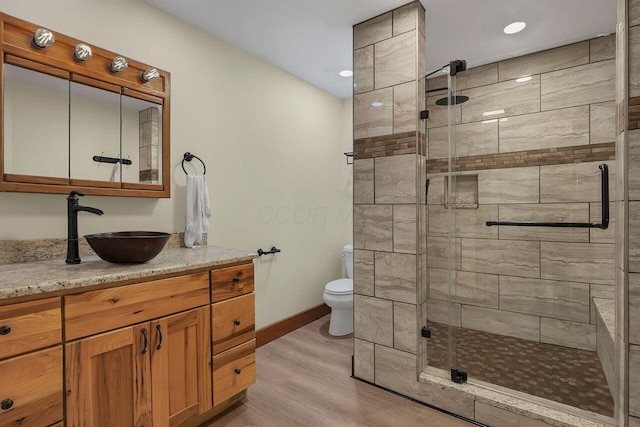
(236, 322)
(145, 341)
(5, 330)
(236, 280)
(159, 333)
(237, 371)
(7, 404)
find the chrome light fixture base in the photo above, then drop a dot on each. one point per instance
(43, 38)
(149, 75)
(82, 52)
(119, 63)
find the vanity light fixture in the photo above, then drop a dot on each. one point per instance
(119, 63)
(523, 79)
(149, 75)
(515, 27)
(82, 52)
(346, 73)
(43, 38)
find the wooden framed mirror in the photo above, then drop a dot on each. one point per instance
(79, 125)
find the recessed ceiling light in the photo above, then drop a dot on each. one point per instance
(523, 79)
(514, 27)
(376, 104)
(346, 73)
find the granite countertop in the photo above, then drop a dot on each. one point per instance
(33, 278)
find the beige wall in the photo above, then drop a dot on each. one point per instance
(273, 146)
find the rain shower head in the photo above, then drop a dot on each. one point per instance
(456, 100)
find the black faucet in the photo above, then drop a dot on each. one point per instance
(73, 253)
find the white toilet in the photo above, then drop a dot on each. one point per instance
(338, 294)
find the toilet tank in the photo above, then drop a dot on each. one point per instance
(347, 253)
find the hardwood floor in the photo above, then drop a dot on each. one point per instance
(304, 380)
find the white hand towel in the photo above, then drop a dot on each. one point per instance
(115, 173)
(197, 210)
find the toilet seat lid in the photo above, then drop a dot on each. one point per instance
(340, 287)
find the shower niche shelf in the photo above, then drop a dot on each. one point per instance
(466, 192)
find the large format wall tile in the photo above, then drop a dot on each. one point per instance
(404, 228)
(372, 31)
(436, 189)
(395, 179)
(363, 70)
(468, 222)
(586, 84)
(514, 185)
(405, 327)
(634, 61)
(603, 122)
(548, 298)
(444, 312)
(633, 12)
(634, 165)
(363, 362)
(395, 276)
(469, 288)
(363, 265)
(471, 139)
(634, 380)
(549, 129)
(405, 112)
(395, 60)
(373, 320)
(439, 250)
(545, 61)
(369, 120)
(595, 215)
(404, 19)
(578, 182)
(477, 76)
(439, 115)
(603, 48)
(396, 370)
(568, 334)
(373, 227)
(634, 236)
(600, 292)
(501, 322)
(580, 262)
(513, 258)
(556, 212)
(504, 99)
(634, 308)
(363, 181)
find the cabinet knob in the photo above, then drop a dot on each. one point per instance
(236, 279)
(7, 404)
(236, 322)
(5, 330)
(237, 371)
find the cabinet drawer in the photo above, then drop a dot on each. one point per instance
(233, 371)
(233, 322)
(32, 384)
(98, 311)
(29, 326)
(231, 282)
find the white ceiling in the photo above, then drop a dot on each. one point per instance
(312, 39)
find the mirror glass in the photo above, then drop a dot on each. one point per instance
(36, 123)
(141, 141)
(95, 131)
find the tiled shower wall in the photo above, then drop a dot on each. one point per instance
(389, 51)
(529, 142)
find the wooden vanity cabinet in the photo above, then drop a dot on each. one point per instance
(31, 390)
(233, 331)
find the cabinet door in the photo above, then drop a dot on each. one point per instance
(109, 379)
(181, 366)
